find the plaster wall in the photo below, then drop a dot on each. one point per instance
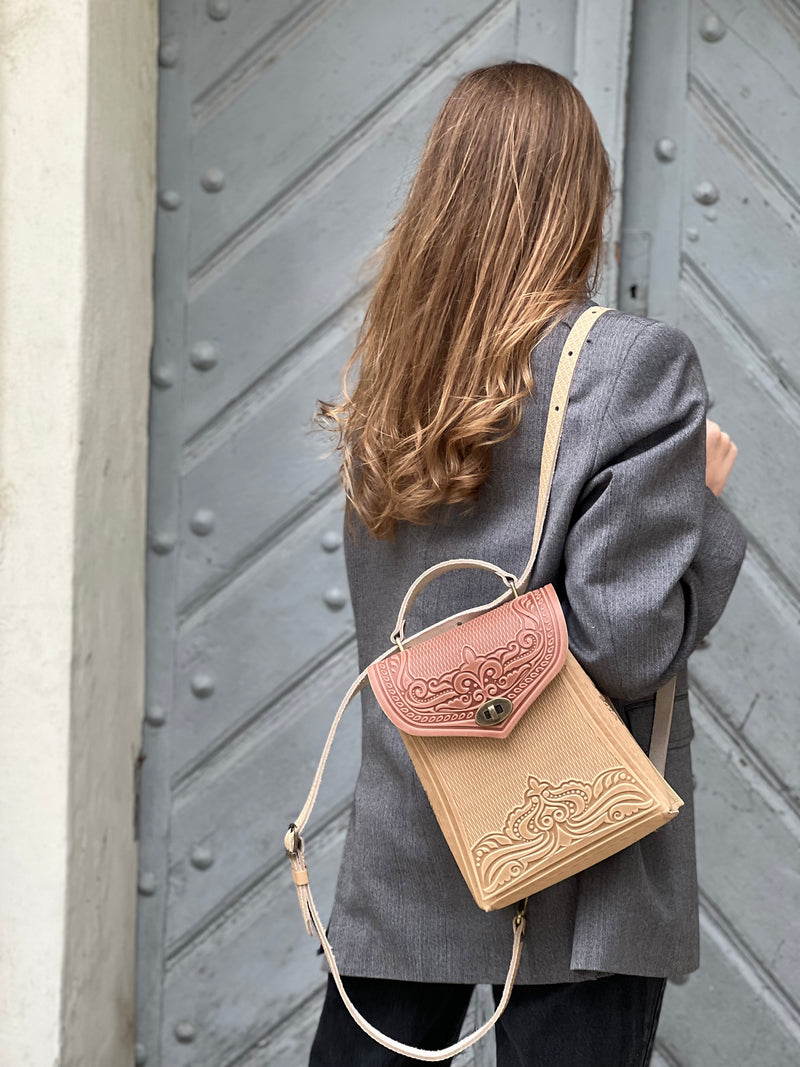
(77, 176)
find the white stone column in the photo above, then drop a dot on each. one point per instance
(77, 176)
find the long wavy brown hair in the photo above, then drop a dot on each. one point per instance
(501, 231)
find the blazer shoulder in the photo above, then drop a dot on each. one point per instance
(621, 330)
(650, 350)
(655, 379)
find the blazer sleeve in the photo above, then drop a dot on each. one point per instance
(652, 555)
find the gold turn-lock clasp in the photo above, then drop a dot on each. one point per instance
(493, 712)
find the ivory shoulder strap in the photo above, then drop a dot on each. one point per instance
(658, 742)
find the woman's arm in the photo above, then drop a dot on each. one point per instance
(652, 554)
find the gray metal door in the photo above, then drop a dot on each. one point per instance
(712, 214)
(287, 133)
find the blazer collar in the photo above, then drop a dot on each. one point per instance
(571, 315)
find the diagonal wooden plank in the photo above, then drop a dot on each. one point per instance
(770, 30)
(219, 51)
(265, 469)
(760, 419)
(307, 261)
(750, 670)
(252, 41)
(255, 966)
(748, 94)
(348, 66)
(237, 812)
(748, 860)
(750, 274)
(719, 1016)
(259, 635)
(288, 1044)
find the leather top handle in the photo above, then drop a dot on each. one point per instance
(427, 576)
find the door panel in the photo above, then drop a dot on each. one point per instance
(719, 219)
(288, 132)
(303, 258)
(311, 100)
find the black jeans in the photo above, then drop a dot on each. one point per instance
(600, 1022)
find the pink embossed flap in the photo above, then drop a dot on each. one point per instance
(477, 679)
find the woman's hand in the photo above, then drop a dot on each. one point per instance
(720, 456)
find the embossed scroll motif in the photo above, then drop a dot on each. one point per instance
(513, 651)
(552, 818)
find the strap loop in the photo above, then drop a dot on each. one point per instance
(292, 840)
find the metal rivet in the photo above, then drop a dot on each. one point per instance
(331, 540)
(162, 543)
(168, 53)
(140, 1055)
(692, 234)
(204, 355)
(185, 1032)
(201, 857)
(666, 149)
(335, 598)
(213, 180)
(705, 193)
(169, 199)
(155, 715)
(202, 685)
(147, 884)
(162, 377)
(218, 9)
(711, 214)
(202, 522)
(712, 28)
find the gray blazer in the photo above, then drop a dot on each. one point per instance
(643, 557)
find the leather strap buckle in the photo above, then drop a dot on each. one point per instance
(520, 919)
(292, 841)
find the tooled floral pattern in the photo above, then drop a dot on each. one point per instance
(453, 694)
(553, 817)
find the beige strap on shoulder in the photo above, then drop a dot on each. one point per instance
(658, 743)
(559, 399)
